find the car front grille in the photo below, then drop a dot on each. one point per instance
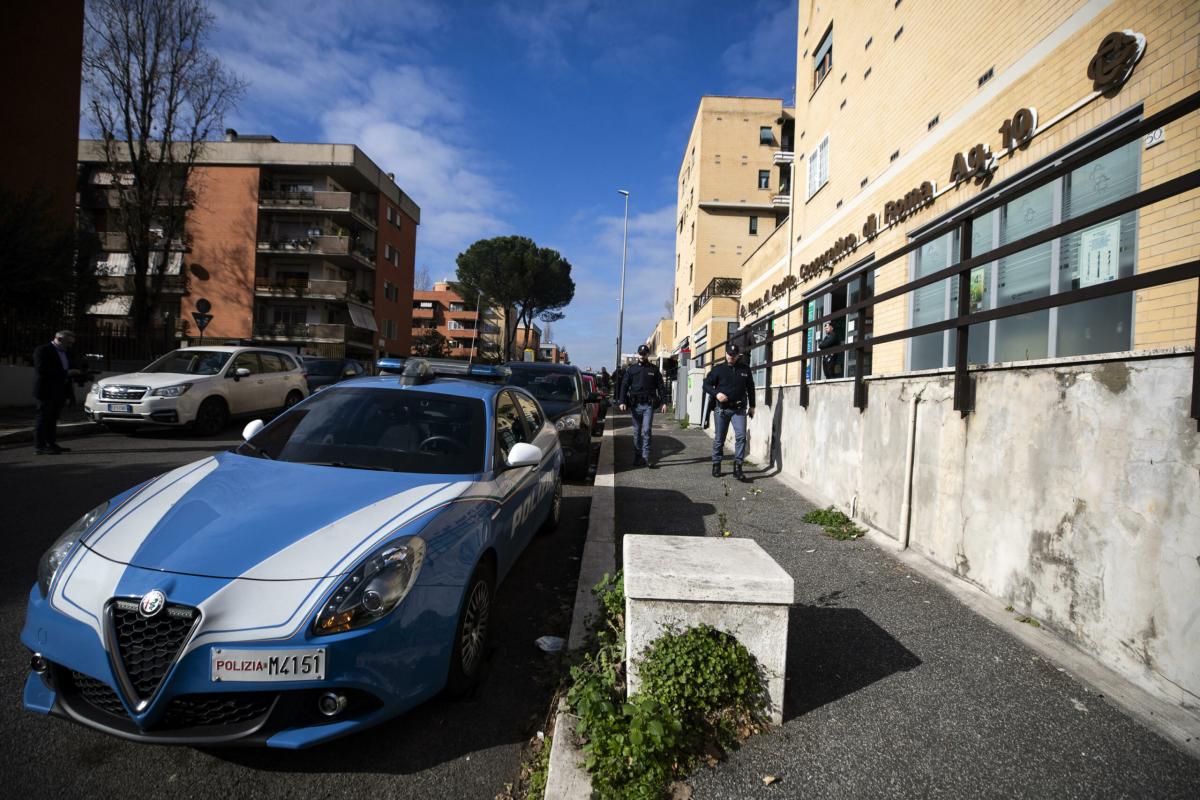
(97, 694)
(147, 647)
(117, 392)
(199, 710)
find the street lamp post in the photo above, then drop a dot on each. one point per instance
(621, 307)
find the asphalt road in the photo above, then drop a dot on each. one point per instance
(443, 749)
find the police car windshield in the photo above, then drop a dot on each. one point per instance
(190, 362)
(558, 386)
(378, 429)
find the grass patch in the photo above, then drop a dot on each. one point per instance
(836, 524)
(683, 423)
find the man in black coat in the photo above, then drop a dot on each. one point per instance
(641, 392)
(52, 375)
(731, 386)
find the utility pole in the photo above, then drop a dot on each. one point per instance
(624, 250)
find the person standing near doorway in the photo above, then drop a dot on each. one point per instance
(731, 385)
(831, 362)
(641, 391)
(52, 375)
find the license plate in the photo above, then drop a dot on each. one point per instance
(268, 665)
(120, 408)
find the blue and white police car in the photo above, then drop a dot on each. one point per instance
(334, 570)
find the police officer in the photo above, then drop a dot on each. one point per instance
(641, 390)
(731, 384)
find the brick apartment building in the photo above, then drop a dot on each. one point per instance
(469, 333)
(303, 246)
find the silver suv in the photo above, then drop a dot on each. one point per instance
(200, 386)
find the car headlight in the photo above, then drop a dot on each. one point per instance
(374, 589)
(568, 423)
(172, 391)
(53, 558)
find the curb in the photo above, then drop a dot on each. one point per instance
(69, 431)
(565, 778)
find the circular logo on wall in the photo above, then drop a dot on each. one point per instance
(1117, 55)
(152, 603)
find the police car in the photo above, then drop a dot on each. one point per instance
(334, 570)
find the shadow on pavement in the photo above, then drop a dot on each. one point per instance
(833, 652)
(662, 512)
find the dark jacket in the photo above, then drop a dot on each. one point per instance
(736, 382)
(643, 384)
(50, 381)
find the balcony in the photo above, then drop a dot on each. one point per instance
(717, 287)
(123, 284)
(115, 241)
(315, 289)
(333, 202)
(423, 313)
(783, 199)
(336, 248)
(783, 157)
(312, 332)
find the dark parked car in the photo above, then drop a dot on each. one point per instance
(324, 372)
(596, 409)
(559, 388)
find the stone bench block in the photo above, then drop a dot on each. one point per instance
(731, 584)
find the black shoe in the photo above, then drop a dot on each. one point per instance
(638, 460)
(716, 469)
(650, 464)
(737, 471)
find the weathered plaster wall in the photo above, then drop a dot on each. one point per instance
(1072, 492)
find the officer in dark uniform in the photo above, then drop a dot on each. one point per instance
(731, 385)
(641, 391)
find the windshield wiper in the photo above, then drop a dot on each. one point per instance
(262, 453)
(349, 466)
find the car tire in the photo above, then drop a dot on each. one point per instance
(471, 633)
(293, 397)
(211, 417)
(555, 515)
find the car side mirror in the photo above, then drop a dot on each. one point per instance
(252, 428)
(523, 454)
(240, 372)
(349, 372)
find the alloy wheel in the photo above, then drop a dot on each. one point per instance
(475, 626)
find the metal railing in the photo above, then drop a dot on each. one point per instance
(961, 271)
(318, 200)
(301, 287)
(717, 287)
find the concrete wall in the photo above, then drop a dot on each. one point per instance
(1072, 492)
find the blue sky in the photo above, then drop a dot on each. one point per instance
(520, 117)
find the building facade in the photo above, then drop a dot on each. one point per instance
(443, 311)
(304, 246)
(1056, 468)
(734, 184)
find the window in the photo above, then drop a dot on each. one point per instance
(766, 135)
(456, 306)
(823, 58)
(1103, 252)
(246, 361)
(754, 226)
(764, 178)
(731, 329)
(760, 353)
(533, 414)
(270, 362)
(818, 166)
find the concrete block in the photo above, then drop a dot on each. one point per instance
(677, 582)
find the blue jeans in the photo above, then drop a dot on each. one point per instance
(643, 418)
(724, 416)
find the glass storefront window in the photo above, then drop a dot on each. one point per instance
(760, 353)
(1103, 252)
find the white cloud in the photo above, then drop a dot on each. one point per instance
(328, 69)
(764, 64)
(543, 29)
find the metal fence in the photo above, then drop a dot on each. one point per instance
(104, 347)
(961, 271)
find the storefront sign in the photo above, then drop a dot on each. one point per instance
(1111, 66)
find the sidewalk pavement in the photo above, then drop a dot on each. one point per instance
(16, 423)
(894, 687)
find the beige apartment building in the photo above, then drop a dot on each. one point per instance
(1057, 470)
(734, 189)
(304, 246)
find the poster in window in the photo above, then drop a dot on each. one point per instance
(1099, 253)
(976, 288)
